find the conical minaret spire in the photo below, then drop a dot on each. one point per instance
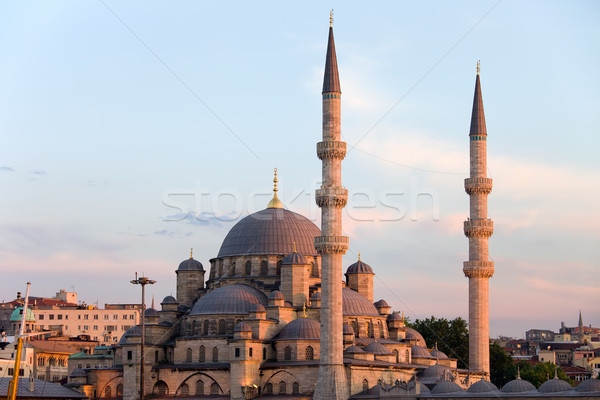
(331, 245)
(478, 228)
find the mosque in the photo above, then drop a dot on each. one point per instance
(275, 317)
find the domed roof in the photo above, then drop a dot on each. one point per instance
(394, 317)
(230, 299)
(276, 295)
(518, 386)
(301, 328)
(78, 373)
(169, 300)
(242, 327)
(381, 303)
(294, 259)
(190, 265)
(482, 387)
(270, 231)
(376, 348)
(150, 312)
(589, 385)
(316, 296)
(434, 373)
(446, 387)
(133, 331)
(354, 303)
(17, 315)
(353, 350)
(554, 386)
(411, 387)
(257, 308)
(412, 334)
(360, 267)
(420, 352)
(435, 353)
(182, 308)
(347, 330)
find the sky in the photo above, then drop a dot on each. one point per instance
(134, 131)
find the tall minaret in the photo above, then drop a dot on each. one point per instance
(331, 198)
(478, 228)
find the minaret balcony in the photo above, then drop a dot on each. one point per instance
(479, 227)
(478, 269)
(331, 244)
(331, 149)
(478, 185)
(331, 197)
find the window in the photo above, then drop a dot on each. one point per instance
(370, 332)
(365, 384)
(66, 316)
(129, 355)
(51, 316)
(86, 327)
(120, 390)
(95, 327)
(282, 387)
(202, 354)
(79, 316)
(161, 388)
(295, 388)
(206, 327)
(264, 268)
(355, 327)
(214, 388)
(156, 356)
(264, 353)
(248, 268)
(188, 355)
(95, 316)
(107, 392)
(42, 361)
(232, 273)
(86, 316)
(132, 316)
(269, 388)
(287, 353)
(310, 353)
(80, 365)
(115, 316)
(106, 316)
(380, 329)
(124, 316)
(279, 267)
(215, 356)
(199, 387)
(396, 355)
(184, 390)
(41, 317)
(314, 270)
(250, 352)
(59, 316)
(222, 327)
(237, 352)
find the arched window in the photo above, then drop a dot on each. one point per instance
(199, 387)
(310, 353)
(269, 388)
(193, 331)
(380, 329)
(184, 390)
(287, 353)
(264, 268)
(214, 388)
(202, 354)
(295, 388)
(407, 360)
(206, 327)
(188, 355)
(355, 327)
(279, 267)
(282, 387)
(233, 271)
(314, 270)
(248, 268)
(264, 353)
(120, 390)
(215, 357)
(161, 388)
(222, 327)
(156, 356)
(107, 392)
(396, 356)
(365, 384)
(370, 332)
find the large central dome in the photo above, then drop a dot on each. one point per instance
(271, 232)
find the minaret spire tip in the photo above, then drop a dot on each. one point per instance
(275, 202)
(191, 253)
(359, 256)
(331, 18)
(477, 67)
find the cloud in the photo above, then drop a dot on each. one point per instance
(38, 172)
(202, 219)
(6, 169)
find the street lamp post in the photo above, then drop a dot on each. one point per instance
(142, 281)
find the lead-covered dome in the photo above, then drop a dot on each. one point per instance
(230, 299)
(17, 315)
(301, 328)
(270, 231)
(554, 386)
(518, 386)
(353, 303)
(190, 265)
(412, 334)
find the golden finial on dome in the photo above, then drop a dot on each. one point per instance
(331, 18)
(275, 202)
(304, 310)
(294, 247)
(477, 67)
(191, 253)
(359, 256)
(402, 316)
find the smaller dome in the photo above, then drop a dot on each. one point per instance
(257, 308)
(420, 352)
(294, 259)
(353, 350)
(359, 267)
(554, 386)
(182, 308)
(347, 330)
(133, 331)
(300, 328)
(440, 355)
(316, 296)
(482, 387)
(242, 327)
(78, 373)
(411, 387)
(169, 300)
(17, 315)
(376, 348)
(190, 265)
(411, 334)
(276, 295)
(435, 373)
(446, 387)
(150, 312)
(394, 317)
(518, 386)
(589, 385)
(381, 303)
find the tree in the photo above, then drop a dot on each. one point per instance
(502, 367)
(452, 337)
(540, 373)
